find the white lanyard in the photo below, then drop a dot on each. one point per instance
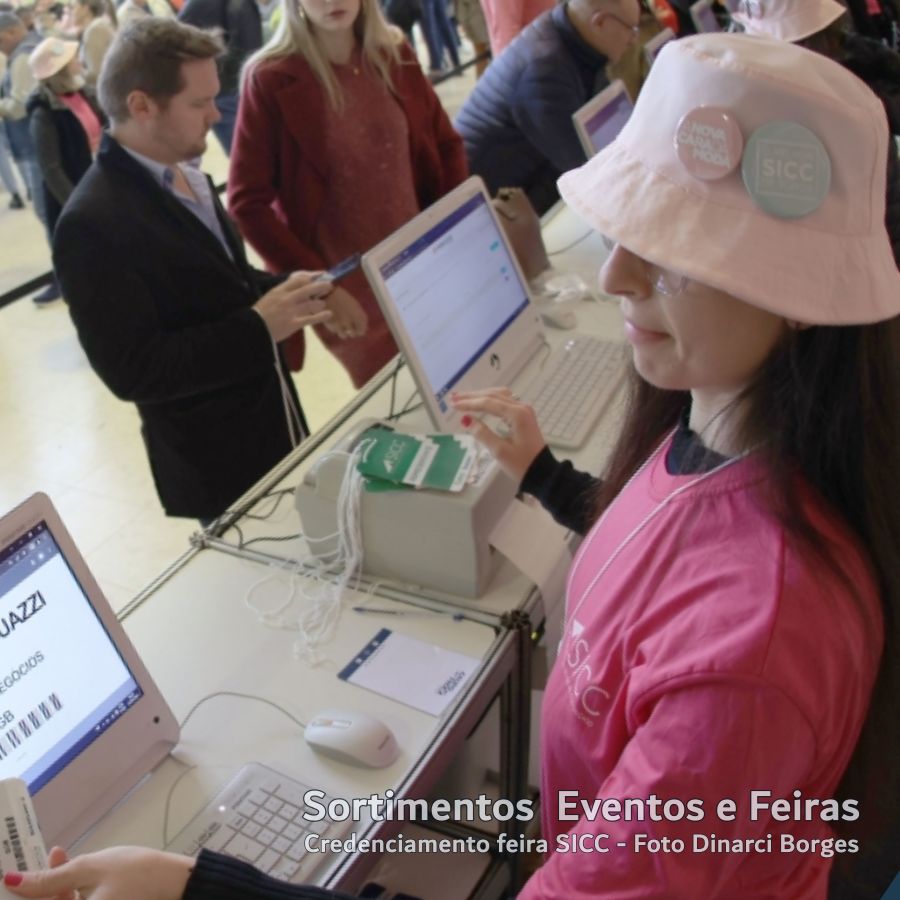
(640, 525)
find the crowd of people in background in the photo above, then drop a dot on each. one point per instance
(32, 169)
(365, 97)
(513, 125)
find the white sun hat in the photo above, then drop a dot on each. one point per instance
(756, 167)
(50, 56)
(787, 20)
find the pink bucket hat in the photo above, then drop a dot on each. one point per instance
(787, 20)
(50, 56)
(758, 168)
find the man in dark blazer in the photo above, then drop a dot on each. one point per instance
(169, 312)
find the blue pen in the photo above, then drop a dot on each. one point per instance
(457, 617)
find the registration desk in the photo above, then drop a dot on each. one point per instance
(264, 524)
(198, 637)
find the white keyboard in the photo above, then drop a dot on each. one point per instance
(573, 387)
(258, 817)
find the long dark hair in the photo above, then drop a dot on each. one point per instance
(825, 405)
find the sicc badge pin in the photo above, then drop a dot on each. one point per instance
(786, 170)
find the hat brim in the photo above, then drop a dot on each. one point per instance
(55, 64)
(617, 194)
(795, 26)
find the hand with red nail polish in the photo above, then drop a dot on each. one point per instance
(135, 873)
(517, 440)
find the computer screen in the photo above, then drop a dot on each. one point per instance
(63, 682)
(604, 126)
(455, 290)
(704, 17)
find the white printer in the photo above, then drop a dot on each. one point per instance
(433, 539)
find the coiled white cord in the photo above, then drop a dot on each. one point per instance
(320, 583)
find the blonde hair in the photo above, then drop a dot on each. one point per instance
(294, 34)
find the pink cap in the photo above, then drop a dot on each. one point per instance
(798, 228)
(787, 20)
(50, 56)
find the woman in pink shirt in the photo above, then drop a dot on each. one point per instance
(732, 611)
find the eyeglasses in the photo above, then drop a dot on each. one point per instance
(663, 281)
(634, 29)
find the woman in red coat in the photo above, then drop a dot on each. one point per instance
(340, 140)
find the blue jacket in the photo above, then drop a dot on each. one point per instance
(517, 123)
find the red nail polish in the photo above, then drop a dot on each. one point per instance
(465, 421)
(12, 879)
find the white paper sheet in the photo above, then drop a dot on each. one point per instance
(419, 674)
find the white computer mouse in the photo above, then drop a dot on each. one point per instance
(558, 317)
(352, 737)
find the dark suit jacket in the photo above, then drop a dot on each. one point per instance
(164, 317)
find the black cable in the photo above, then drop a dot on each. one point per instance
(256, 540)
(394, 378)
(458, 70)
(280, 495)
(406, 408)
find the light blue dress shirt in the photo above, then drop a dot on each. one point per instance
(203, 207)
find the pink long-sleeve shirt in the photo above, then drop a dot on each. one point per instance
(713, 658)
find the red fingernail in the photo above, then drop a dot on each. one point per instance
(465, 421)
(12, 879)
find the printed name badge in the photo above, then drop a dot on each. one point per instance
(786, 170)
(708, 142)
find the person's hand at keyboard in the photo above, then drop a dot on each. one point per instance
(515, 441)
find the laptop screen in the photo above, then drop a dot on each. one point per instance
(63, 682)
(455, 291)
(604, 125)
